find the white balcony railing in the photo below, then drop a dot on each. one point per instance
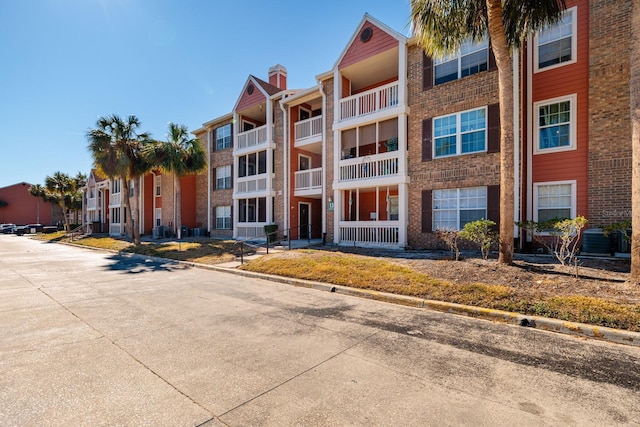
(369, 102)
(251, 229)
(308, 128)
(381, 233)
(252, 138)
(251, 184)
(115, 200)
(367, 167)
(116, 229)
(308, 179)
(91, 204)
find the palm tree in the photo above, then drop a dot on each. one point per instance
(116, 147)
(59, 185)
(441, 26)
(180, 156)
(37, 191)
(634, 88)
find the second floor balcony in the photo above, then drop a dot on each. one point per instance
(252, 184)
(115, 200)
(308, 131)
(308, 182)
(91, 204)
(252, 138)
(369, 102)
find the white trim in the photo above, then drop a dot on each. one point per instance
(537, 185)
(300, 156)
(574, 44)
(573, 125)
(458, 134)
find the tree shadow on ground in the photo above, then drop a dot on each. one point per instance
(136, 264)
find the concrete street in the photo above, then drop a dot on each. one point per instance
(95, 338)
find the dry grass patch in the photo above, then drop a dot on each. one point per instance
(108, 243)
(203, 251)
(383, 275)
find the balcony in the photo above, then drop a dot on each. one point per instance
(115, 200)
(252, 138)
(247, 230)
(251, 184)
(308, 182)
(116, 229)
(91, 204)
(369, 102)
(369, 167)
(308, 131)
(380, 233)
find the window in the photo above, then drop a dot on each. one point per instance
(555, 125)
(472, 58)
(158, 185)
(554, 200)
(158, 216)
(453, 208)
(556, 45)
(252, 210)
(115, 186)
(223, 217)
(223, 137)
(223, 177)
(460, 133)
(252, 164)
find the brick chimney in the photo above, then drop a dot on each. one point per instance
(278, 76)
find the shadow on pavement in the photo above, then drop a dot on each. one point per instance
(135, 264)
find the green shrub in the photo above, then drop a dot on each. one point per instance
(480, 232)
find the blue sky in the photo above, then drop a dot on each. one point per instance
(67, 62)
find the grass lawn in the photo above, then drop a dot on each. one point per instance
(598, 297)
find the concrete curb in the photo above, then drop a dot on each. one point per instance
(584, 330)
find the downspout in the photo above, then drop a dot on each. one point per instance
(285, 167)
(324, 161)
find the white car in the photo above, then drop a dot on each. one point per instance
(7, 228)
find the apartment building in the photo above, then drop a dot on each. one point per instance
(391, 145)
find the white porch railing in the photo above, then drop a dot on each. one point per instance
(383, 233)
(116, 229)
(369, 102)
(251, 229)
(91, 204)
(115, 200)
(367, 167)
(308, 179)
(308, 128)
(251, 184)
(252, 138)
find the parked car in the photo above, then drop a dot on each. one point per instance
(28, 229)
(7, 228)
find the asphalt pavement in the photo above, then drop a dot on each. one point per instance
(96, 338)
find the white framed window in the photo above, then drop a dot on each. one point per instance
(223, 217)
(223, 137)
(460, 133)
(553, 200)
(158, 217)
(158, 185)
(555, 124)
(115, 186)
(557, 45)
(471, 58)
(453, 208)
(223, 177)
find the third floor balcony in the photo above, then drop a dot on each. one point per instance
(253, 139)
(308, 131)
(369, 102)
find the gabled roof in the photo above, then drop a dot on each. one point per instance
(263, 87)
(368, 18)
(268, 87)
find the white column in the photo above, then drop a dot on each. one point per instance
(402, 74)
(337, 214)
(402, 145)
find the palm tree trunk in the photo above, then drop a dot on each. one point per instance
(505, 90)
(634, 88)
(131, 221)
(63, 205)
(178, 205)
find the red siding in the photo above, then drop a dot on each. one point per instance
(380, 41)
(247, 100)
(188, 200)
(563, 81)
(22, 207)
(148, 195)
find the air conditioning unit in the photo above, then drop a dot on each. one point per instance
(196, 232)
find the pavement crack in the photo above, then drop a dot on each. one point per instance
(288, 380)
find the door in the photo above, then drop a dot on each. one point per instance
(303, 219)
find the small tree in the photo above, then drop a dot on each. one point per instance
(560, 236)
(481, 233)
(450, 238)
